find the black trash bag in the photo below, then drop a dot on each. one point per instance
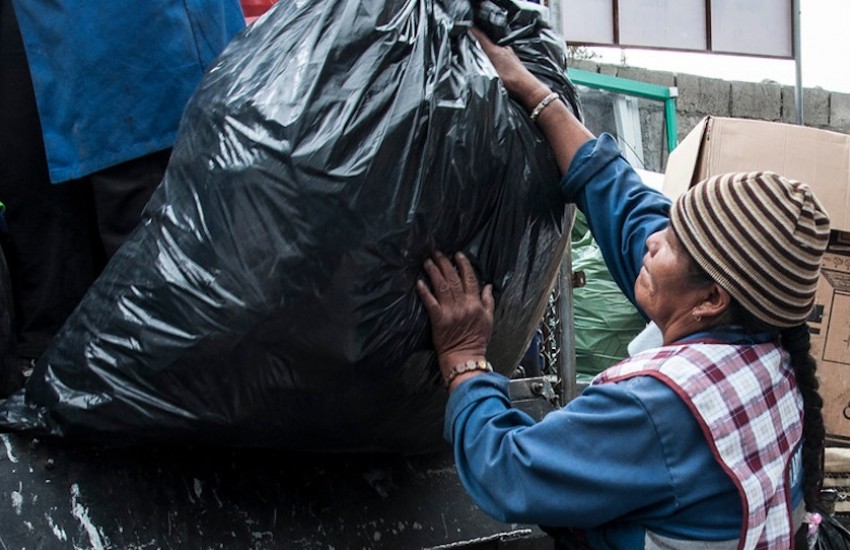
(268, 298)
(831, 534)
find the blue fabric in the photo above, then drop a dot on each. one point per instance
(621, 458)
(111, 78)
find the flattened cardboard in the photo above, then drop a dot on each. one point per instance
(821, 159)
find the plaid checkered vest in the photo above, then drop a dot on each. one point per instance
(745, 399)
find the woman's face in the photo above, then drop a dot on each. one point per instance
(663, 289)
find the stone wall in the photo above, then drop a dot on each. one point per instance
(701, 96)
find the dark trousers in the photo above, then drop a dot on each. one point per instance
(59, 235)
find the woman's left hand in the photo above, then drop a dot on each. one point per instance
(461, 314)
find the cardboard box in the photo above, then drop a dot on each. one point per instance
(821, 159)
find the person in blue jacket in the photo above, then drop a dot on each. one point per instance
(91, 95)
(714, 438)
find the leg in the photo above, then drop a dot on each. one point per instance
(51, 247)
(121, 193)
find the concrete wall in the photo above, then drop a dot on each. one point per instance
(701, 96)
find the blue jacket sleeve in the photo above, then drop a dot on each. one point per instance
(620, 209)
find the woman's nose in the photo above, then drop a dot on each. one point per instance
(652, 243)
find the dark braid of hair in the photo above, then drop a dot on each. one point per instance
(795, 340)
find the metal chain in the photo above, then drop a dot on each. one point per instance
(550, 346)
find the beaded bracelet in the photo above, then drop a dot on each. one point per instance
(542, 105)
(469, 366)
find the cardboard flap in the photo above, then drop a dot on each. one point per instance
(682, 162)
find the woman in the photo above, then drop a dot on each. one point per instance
(699, 443)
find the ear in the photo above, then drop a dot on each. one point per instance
(714, 304)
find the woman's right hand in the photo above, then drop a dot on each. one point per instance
(517, 79)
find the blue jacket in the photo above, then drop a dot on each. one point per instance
(621, 459)
(111, 78)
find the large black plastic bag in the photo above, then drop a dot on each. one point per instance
(268, 299)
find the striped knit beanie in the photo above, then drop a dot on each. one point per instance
(759, 236)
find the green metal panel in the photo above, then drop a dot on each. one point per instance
(636, 88)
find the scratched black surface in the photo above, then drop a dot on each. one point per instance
(56, 495)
